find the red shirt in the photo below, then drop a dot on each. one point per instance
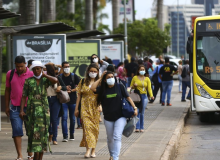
(16, 85)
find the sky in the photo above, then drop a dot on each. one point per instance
(142, 7)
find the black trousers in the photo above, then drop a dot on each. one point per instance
(156, 89)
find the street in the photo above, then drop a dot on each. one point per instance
(200, 140)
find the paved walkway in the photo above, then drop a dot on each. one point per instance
(160, 122)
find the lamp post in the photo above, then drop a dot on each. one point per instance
(125, 29)
(177, 28)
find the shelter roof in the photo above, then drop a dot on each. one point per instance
(108, 36)
(4, 14)
(83, 34)
(42, 28)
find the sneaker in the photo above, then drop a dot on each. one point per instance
(168, 104)
(189, 98)
(163, 104)
(183, 100)
(72, 137)
(65, 139)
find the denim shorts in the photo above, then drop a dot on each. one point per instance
(16, 121)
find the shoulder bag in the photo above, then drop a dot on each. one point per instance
(63, 96)
(127, 109)
(134, 96)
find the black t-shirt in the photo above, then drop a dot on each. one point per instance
(129, 67)
(68, 81)
(111, 102)
(166, 71)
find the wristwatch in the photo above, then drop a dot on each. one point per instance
(135, 108)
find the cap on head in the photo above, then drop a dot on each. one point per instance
(36, 64)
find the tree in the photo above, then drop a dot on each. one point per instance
(115, 13)
(71, 6)
(89, 15)
(48, 10)
(27, 11)
(145, 36)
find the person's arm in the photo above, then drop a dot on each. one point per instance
(152, 68)
(7, 94)
(76, 113)
(104, 63)
(53, 80)
(160, 76)
(95, 85)
(76, 81)
(23, 101)
(62, 86)
(133, 105)
(133, 84)
(149, 89)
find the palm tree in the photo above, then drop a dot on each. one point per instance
(30, 7)
(71, 6)
(48, 10)
(115, 13)
(22, 18)
(89, 15)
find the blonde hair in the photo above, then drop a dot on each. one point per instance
(180, 62)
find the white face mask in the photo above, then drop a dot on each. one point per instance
(66, 70)
(110, 81)
(95, 60)
(92, 75)
(38, 77)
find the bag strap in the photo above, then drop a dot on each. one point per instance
(72, 77)
(11, 74)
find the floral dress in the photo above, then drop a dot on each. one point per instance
(89, 115)
(38, 114)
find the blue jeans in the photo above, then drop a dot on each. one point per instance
(167, 88)
(180, 82)
(114, 132)
(55, 106)
(185, 84)
(129, 81)
(16, 121)
(140, 123)
(71, 108)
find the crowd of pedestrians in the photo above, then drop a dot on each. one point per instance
(34, 92)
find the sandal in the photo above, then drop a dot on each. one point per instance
(19, 159)
(137, 130)
(141, 130)
(30, 157)
(93, 156)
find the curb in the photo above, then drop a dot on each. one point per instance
(171, 148)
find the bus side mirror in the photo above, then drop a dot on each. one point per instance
(189, 45)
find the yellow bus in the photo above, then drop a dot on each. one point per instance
(204, 53)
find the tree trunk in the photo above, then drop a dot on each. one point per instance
(95, 10)
(30, 10)
(22, 18)
(89, 15)
(71, 6)
(115, 13)
(48, 10)
(1, 38)
(160, 13)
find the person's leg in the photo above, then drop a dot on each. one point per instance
(183, 90)
(64, 121)
(188, 85)
(180, 82)
(17, 130)
(55, 112)
(78, 122)
(155, 91)
(169, 89)
(164, 91)
(161, 91)
(144, 103)
(72, 120)
(50, 101)
(109, 126)
(138, 123)
(41, 155)
(118, 130)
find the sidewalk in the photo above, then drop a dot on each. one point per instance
(160, 123)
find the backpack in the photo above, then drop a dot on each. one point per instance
(11, 74)
(155, 77)
(72, 76)
(183, 75)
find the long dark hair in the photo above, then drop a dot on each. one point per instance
(119, 64)
(91, 60)
(103, 87)
(139, 67)
(88, 79)
(50, 70)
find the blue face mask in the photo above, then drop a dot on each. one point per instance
(110, 81)
(142, 72)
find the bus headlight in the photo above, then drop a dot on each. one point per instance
(203, 92)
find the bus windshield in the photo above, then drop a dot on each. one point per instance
(208, 56)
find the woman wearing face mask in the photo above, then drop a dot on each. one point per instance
(101, 64)
(54, 103)
(109, 96)
(38, 113)
(89, 110)
(142, 84)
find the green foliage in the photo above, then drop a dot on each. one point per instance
(103, 28)
(3, 84)
(13, 7)
(145, 36)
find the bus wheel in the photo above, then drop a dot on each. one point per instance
(203, 117)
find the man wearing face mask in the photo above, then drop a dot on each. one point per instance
(70, 80)
(15, 79)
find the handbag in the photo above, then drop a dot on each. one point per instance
(134, 96)
(130, 126)
(127, 109)
(63, 96)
